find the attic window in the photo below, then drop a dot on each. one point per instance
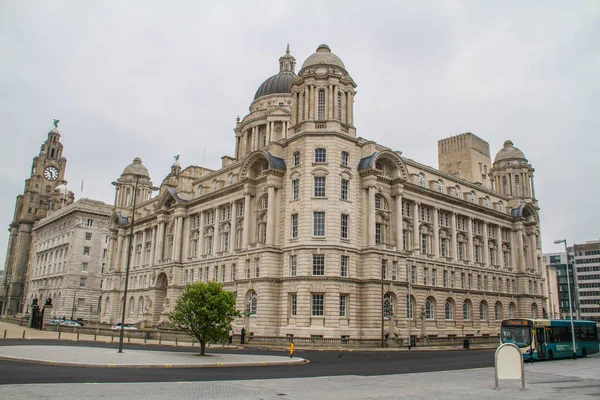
(281, 103)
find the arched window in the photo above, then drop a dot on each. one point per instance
(467, 310)
(252, 303)
(141, 305)
(429, 309)
(321, 105)
(388, 305)
(512, 310)
(422, 181)
(504, 185)
(483, 311)
(440, 186)
(517, 186)
(132, 306)
(449, 309)
(498, 311)
(339, 106)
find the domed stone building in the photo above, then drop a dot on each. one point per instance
(322, 233)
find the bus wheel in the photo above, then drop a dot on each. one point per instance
(550, 355)
(584, 353)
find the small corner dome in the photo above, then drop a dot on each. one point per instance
(136, 168)
(323, 56)
(55, 131)
(509, 152)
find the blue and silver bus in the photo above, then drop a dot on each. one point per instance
(543, 339)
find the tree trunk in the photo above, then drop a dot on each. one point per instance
(202, 347)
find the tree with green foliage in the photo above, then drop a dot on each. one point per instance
(205, 311)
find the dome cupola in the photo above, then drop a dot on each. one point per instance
(509, 152)
(281, 82)
(136, 168)
(323, 56)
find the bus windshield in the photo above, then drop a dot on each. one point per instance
(518, 335)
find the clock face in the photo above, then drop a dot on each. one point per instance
(51, 173)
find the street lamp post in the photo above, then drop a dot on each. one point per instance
(409, 315)
(382, 309)
(73, 307)
(569, 293)
(129, 249)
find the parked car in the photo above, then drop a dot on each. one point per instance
(125, 327)
(69, 322)
(55, 322)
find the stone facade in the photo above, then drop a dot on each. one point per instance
(45, 192)
(320, 232)
(67, 259)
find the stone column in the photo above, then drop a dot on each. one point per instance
(399, 227)
(134, 257)
(246, 233)
(499, 254)
(334, 105)
(371, 216)
(115, 263)
(416, 243)
(160, 240)
(294, 116)
(178, 231)
(470, 239)
(270, 214)
(454, 244)
(436, 233)
(217, 233)
(329, 104)
(311, 101)
(521, 247)
(532, 187)
(153, 244)
(486, 249)
(268, 131)
(350, 115)
(201, 235)
(126, 249)
(532, 251)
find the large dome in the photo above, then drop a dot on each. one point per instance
(323, 56)
(136, 168)
(509, 152)
(279, 83)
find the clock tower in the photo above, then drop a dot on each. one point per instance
(45, 192)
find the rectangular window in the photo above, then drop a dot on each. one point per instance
(319, 186)
(394, 270)
(404, 239)
(414, 275)
(444, 247)
(233, 272)
(89, 222)
(406, 209)
(88, 236)
(225, 241)
(318, 301)
(295, 189)
(445, 278)
(319, 223)
(477, 253)
(478, 282)
(470, 281)
(345, 158)
(257, 267)
(344, 226)
(425, 276)
(209, 245)
(343, 301)
(82, 282)
(485, 283)
(215, 272)
(384, 271)
(344, 265)
(344, 191)
(378, 235)
(247, 269)
(296, 158)
(461, 251)
(452, 279)
(434, 277)
(318, 264)
(320, 155)
(86, 251)
(223, 273)
(424, 243)
(294, 226)
(293, 265)
(84, 267)
(463, 278)
(293, 304)
(492, 256)
(240, 209)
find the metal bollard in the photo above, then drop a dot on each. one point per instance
(5, 334)
(175, 341)
(145, 339)
(159, 338)
(112, 338)
(193, 342)
(95, 337)
(77, 335)
(128, 338)
(58, 335)
(23, 334)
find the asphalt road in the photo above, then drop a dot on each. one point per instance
(322, 363)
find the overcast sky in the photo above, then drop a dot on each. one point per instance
(154, 79)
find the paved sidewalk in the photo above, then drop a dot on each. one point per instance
(110, 358)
